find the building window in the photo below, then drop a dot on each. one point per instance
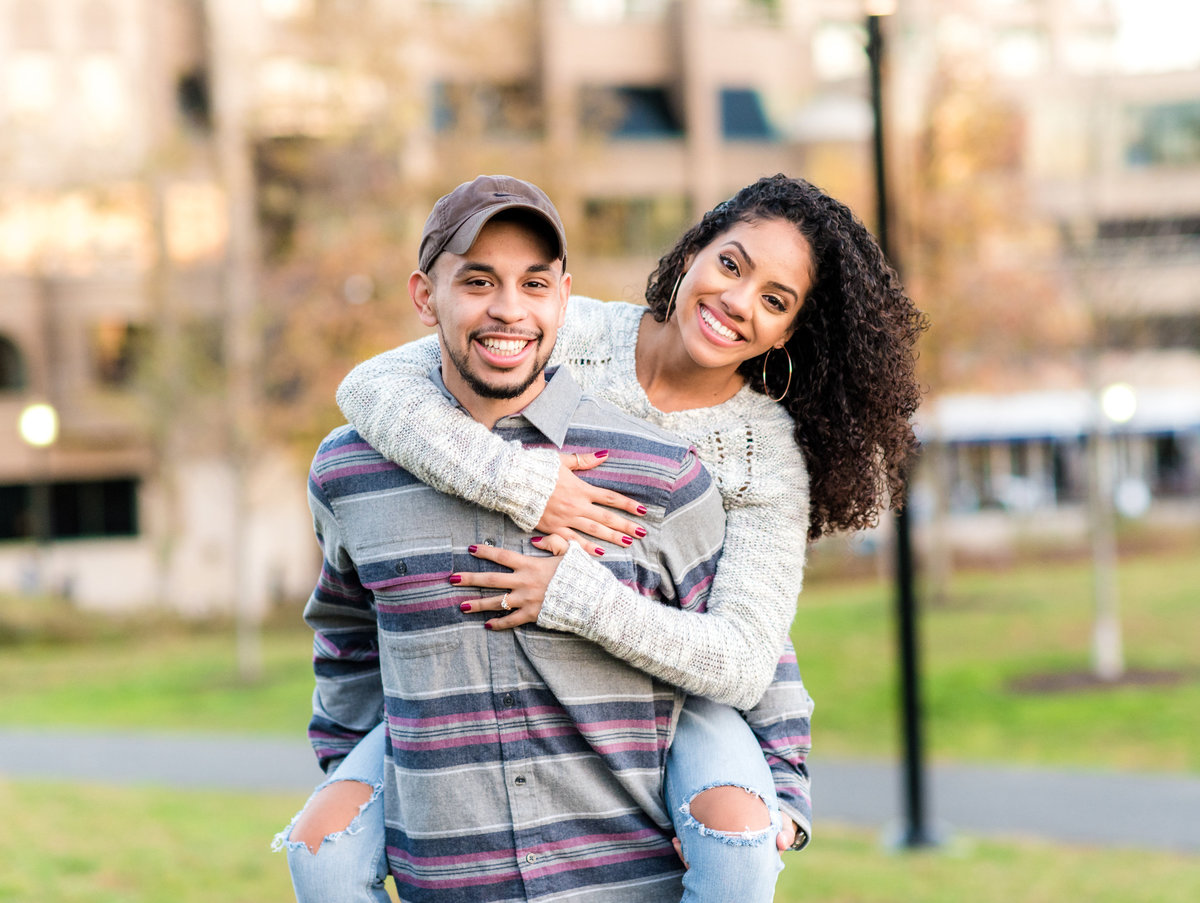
(511, 110)
(77, 510)
(628, 112)
(617, 227)
(742, 116)
(101, 85)
(12, 366)
(32, 78)
(116, 351)
(1164, 135)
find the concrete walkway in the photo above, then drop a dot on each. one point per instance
(1098, 808)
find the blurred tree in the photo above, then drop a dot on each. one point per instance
(978, 255)
(335, 206)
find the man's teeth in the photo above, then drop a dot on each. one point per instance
(504, 346)
(716, 326)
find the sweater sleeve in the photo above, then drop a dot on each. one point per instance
(392, 403)
(728, 654)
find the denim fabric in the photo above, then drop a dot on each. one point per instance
(348, 867)
(714, 747)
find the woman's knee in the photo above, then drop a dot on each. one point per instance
(330, 811)
(730, 809)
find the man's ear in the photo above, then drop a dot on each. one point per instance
(420, 289)
(564, 289)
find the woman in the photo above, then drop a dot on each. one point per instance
(780, 343)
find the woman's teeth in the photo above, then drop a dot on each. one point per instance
(716, 326)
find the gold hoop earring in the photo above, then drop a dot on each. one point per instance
(766, 391)
(674, 292)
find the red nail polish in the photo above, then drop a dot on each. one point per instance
(627, 540)
(601, 454)
(641, 509)
(472, 549)
(466, 606)
(640, 531)
(536, 539)
(487, 625)
(599, 551)
(456, 579)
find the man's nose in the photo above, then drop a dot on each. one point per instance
(507, 304)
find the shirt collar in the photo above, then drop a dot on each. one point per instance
(550, 413)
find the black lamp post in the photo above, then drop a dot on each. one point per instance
(915, 831)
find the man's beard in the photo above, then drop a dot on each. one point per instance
(487, 390)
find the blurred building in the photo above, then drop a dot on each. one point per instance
(139, 196)
(154, 150)
(1105, 174)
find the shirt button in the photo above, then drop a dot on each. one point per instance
(519, 780)
(531, 858)
(401, 568)
(489, 542)
(508, 700)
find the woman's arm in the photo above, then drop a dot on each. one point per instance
(393, 404)
(729, 653)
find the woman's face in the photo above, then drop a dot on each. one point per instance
(741, 292)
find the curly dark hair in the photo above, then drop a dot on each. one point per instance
(854, 388)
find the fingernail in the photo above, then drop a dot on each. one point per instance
(456, 579)
(601, 454)
(487, 625)
(472, 549)
(537, 539)
(466, 606)
(599, 551)
(627, 540)
(640, 531)
(641, 509)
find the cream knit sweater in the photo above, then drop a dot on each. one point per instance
(728, 653)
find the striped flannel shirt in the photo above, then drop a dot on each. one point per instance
(523, 764)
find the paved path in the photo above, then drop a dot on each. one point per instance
(1101, 808)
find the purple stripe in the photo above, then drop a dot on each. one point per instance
(342, 449)
(336, 473)
(698, 588)
(784, 742)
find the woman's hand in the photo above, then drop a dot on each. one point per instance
(787, 835)
(526, 584)
(577, 509)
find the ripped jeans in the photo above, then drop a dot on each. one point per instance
(713, 747)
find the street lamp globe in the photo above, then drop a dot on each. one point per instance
(1119, 402)
(38, 425)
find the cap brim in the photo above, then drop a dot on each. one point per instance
(464, 236)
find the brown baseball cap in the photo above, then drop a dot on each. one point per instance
(455, 221)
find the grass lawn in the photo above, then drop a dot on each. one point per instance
(996, 653)
(996, 635)
(88, 844)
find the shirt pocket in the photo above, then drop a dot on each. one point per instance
(415, 605)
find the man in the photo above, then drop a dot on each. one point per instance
(523, 764)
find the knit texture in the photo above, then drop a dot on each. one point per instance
(729, 655)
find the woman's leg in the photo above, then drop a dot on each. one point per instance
(722, 799)
(335, 845)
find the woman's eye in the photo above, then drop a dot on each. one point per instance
(729, 263)
(775, 302)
